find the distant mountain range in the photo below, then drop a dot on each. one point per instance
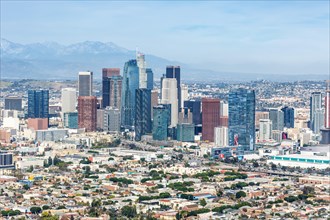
(51, 60)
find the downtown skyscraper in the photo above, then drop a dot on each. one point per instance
(175, 72)
(38, 104)
(85, 83)
(316, 112)
(241, 121)
(111, 87)
(142, 113)
(210, 117)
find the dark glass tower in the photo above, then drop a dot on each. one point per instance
(111, 87)
(150, 79)
(38, 104)
(129, 87)
(195, 108)
(288, 117)
(174, 72)
(241, 121)
(142, 113)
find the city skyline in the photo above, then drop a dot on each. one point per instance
(249, 37)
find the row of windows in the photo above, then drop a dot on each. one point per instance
(301, 160)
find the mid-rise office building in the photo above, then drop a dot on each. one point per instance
(221, 136)
(265, 132)
(161, 121)
(69, 98)
(195, 108)
(288, 117)
(185, 116)
(111, 119)
(6, 160)
(70, 120)
(142, 113)
(185, 132)
(210, 117)
(241, 121)
(13, 103)
(87, 112)
(38, 104)
(261, 115)
(277, 118)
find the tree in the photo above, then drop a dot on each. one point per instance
(240, 194)
(26, 186)
(129, 211)
(202, 202)
(255, 164)
(50, 161)
(308, 190)
(35, 210)
(274, 166)
(45, 207)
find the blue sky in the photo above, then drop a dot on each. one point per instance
(276, 37)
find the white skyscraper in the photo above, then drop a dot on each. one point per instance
(170, 96)
(265, 132)
(85, 83)
(142, 70)
(221, 136)
(69, 98)
(184, 94)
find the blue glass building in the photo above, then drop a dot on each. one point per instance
(142, 113)
(38, 104)
(185, 132)
(150, 79)
(70, 120)
(241, 120)
(161, 121)
(129, 87)
(288, 117)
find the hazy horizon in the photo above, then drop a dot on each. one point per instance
(244, 37)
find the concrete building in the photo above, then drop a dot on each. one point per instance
(69, 99)
(265, 131)
(277, 118)
(223, 109)
(87, 113)
(154, 99)
(221, 136)
(261, 115)
(185, 116)
(100, 119)
(175, 72)
(51, 135)
(111, 119)
(184, 94)
(170, 96)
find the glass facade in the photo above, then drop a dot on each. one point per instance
(38, 104)
(150, 79)
(71, 120)
(288, 117)
(129, 87)
(185, 132)
(305, 160)
(161, 121)
(195, 108)
(241, 121)
(142, 113)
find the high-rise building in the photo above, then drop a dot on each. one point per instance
(111, 119)
(142, 113)
(87, 112)
(221, 136)
(13, 103)
(69, 98)
(129, 87)
(241, 121)
(184, 94)
(325, 132)
(195, 108)
(185, 116)
(141, 63)
(111, 87)
(150, 79)
(161, 121)
(70, 120)
(38, 104)
(210, 117)
(277, 118)
(288, 117)
(100, 119)
(265, 132)
(154, 99)
(174, 72)
(261, 115)
(85, 83)
(170, 96)
(315, 105)
(185, 132)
